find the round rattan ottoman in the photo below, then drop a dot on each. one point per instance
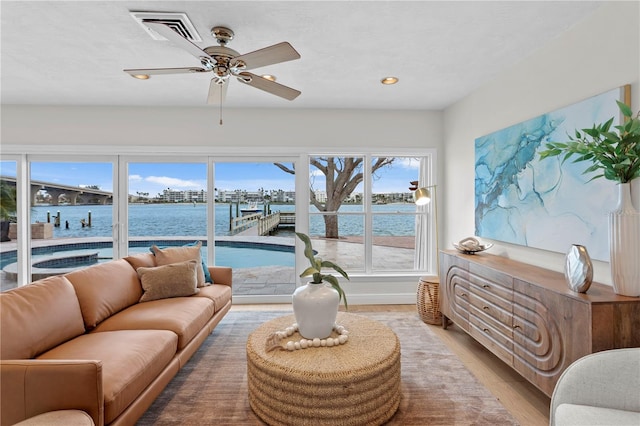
(357, 383)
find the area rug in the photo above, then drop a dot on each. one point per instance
(437, 389)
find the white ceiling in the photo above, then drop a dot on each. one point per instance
(73, 52)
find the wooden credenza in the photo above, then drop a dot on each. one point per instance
(529, 318)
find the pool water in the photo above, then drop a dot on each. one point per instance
(233, 254)
(244, 257)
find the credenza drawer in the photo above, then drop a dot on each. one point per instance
(497, 316)
(491, 336)
(491, 297)
(460, 305)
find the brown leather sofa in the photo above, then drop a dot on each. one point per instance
(83, 341)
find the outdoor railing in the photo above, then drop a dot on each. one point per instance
(287, 218)
(242, 223)
(268, 223)
(265, 224)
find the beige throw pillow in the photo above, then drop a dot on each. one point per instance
(173, 280)
(171, 255)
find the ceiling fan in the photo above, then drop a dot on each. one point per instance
(225, 62)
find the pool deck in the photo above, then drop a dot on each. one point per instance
(390, 253)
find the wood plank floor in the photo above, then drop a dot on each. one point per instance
(524, 401)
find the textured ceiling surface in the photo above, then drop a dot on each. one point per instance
(73, 53)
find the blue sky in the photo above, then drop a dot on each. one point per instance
(155, 177)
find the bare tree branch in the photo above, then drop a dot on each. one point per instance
(291, 170)
(342, 177)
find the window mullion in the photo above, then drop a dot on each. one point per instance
(23, 227)
(211, 211)
(121, 184)
(368, 217)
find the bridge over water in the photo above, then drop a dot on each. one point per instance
(74, 194)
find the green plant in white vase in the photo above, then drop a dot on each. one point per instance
(315, 270)
(615, 153)
(315, 305)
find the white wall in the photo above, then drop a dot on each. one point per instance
(199, 127)
(600, 53)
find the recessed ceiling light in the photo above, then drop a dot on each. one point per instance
(269, 77)
(141, 76)
(389, 80)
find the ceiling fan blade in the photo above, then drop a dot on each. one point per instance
(281, 52)
(217, 92)
(177, 39)
(150, 71)
(268, 86)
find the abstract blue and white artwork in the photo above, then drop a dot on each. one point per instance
(544, 204)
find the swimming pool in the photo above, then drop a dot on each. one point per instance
(236, 254)
(251, 257)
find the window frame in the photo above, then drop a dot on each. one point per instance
(426, 178)
(381, 288)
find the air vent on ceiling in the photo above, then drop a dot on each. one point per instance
(179, 22)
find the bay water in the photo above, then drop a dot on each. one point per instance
(186, 219)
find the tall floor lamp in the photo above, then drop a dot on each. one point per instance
(428, 302)
(422, 196)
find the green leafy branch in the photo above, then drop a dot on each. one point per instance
(616, 154)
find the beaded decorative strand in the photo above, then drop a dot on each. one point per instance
(273, 342)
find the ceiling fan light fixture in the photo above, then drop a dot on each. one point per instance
(224, 63)
(389, 80)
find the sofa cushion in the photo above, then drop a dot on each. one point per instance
(584, 415)
(220, 295)
(185, 316)
(179, 254)
(207, 275)
(146, 260)
(131, 360)
(105, 289)
(173, 280)
(37, 317)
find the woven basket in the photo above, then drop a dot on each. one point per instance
(428, 301)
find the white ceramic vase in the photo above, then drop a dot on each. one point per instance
(624, 244)
(315, 307)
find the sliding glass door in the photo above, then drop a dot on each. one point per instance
(244, 215)
(254, 227)
(71, 215)
(166, 204)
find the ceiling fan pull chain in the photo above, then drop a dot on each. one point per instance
(221, 107)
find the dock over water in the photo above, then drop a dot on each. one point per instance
(258, 225)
